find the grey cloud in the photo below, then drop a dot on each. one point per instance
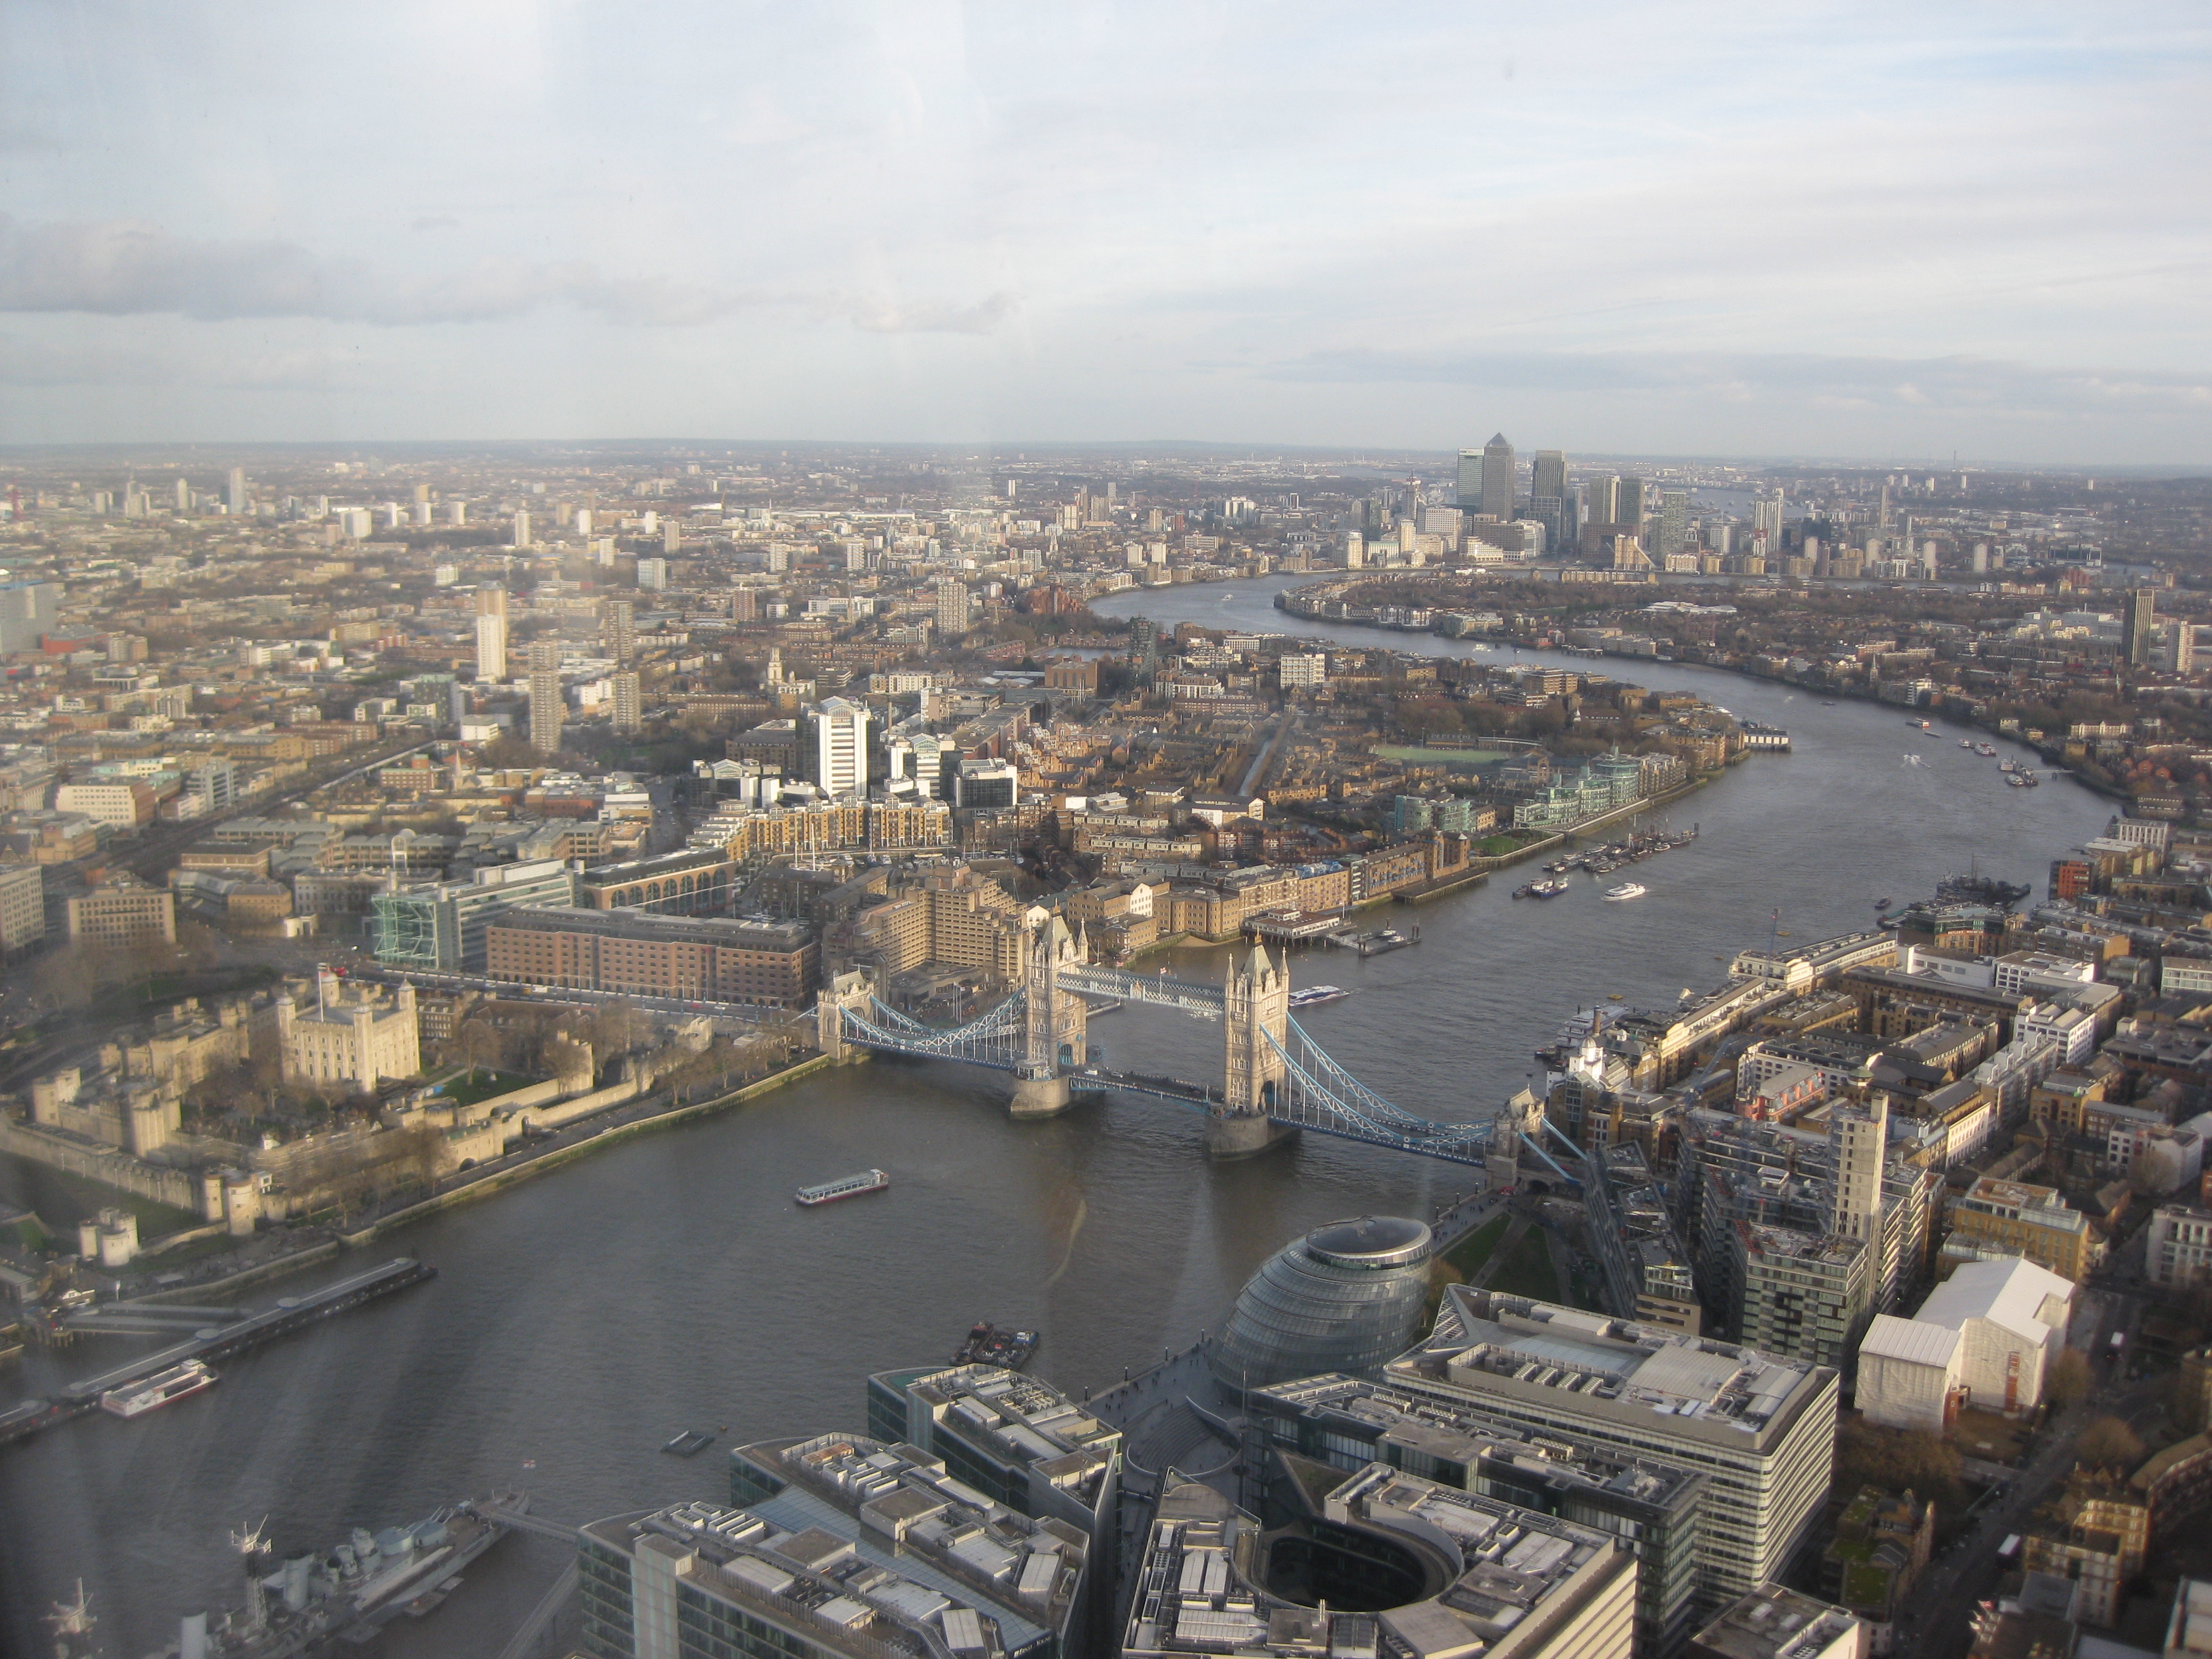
(121, 267)
(437, 221)
(1977, 384)
(981, 317)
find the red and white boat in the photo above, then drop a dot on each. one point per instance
(162, 1388)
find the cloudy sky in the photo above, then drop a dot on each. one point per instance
(1659, 227)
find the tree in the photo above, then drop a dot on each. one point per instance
(2109, 1440)
(478, 1043)
(2069, 1378)
(1896, 1460)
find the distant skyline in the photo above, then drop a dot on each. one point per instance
(1873, 231)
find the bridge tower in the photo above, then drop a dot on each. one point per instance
(1055, 1022)
(849, 990)
(1255, 1005)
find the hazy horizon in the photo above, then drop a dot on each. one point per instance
(1878, 232)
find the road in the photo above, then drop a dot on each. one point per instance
(1284, 726)
(1938, 1621)
(151, 853)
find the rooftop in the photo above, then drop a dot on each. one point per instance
(1775, 1623)
(1490, 1566)
(1459, 1436)
(731, 934)
(1587, 1363)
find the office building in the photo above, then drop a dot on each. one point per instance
(491, 634)
(1674, 522)
(696, 881)
(233, 499)
(1628, 501)
(1760, 1429)
(1803, 1296)
(1601, 500)
(522, 529)
(637, 953)
(851, 1550)
(441, 925)
(121, 914)
(2139, 626)
(1650, 1509)
(1770, 1175)
(1469, 491)
(1984, 1337)
(354, 1037)
(1549, 501)
(1346, 1297)
(2178, 1245)
(1497, 478)
(953, 610)
(985, 785)
(548, 700)
(2013, 1217)
(837, 747)
(22, 906)
(1773, 1622)
(1017, 1440)
(652, 574)
(121, 805)
(627, 700)
(1547, 474)
(1452, 1574)
(28, 611)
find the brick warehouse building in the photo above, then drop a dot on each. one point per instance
(694, 959)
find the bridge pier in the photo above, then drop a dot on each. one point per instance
(1040, 1096)
(1244, 1137)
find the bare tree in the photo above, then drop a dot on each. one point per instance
(2109, 1440)
(2069, 1378)
(478, 1043)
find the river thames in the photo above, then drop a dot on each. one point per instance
(579, 1320)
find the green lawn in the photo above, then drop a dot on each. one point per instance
(1467, 1257)
(1528, 1271)
(463, 1092)
(60, 1200)
(1456, 759)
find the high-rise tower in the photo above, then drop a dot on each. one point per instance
(1548, 474)
(618, 631)
(547, 708)
(491, 633)
(2141, 625)
(1497, 478)
(841, 747)
(1858, 1134)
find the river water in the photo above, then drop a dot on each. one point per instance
(579, 1320)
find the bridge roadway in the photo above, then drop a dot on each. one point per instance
(1286, 1078)
(1157, 989)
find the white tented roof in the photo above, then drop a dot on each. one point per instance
(1910, 1340)
(2011, 1292)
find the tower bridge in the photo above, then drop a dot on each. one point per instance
(1275, 1079)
